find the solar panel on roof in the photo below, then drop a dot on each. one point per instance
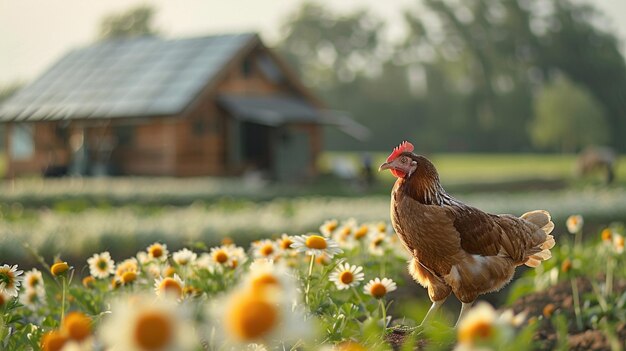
(129, 77)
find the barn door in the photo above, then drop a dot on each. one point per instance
(293, 155)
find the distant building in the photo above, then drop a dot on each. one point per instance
(216, 105)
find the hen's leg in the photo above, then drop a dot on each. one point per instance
(464, 308)
(431, 311)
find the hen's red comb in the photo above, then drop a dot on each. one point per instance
(405, 146)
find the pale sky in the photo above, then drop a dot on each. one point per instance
(35, 33)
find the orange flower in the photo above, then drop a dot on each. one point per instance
(566, 265)
(53, 341)
(548, 310)
(59, 268)
(77, 326)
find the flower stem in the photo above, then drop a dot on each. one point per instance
(577, 311)
(610, 264)
(308, 280)
(578, 240)
(384, 313)
(63, 289)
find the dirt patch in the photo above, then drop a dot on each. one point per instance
(554, 300)
(558, 299)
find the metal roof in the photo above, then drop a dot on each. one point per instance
(270, 110)
(144, 76)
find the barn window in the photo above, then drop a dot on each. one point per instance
(246, 68)
(198, 127)
(22, 142)
(125, 135)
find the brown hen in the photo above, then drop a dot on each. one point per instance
(457, 248)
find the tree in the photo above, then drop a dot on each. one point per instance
(567, 117)
(137, 21)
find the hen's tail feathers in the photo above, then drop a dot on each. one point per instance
(540, 252)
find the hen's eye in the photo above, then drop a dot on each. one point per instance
(404, 159)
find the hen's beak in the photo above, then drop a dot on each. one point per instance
(384, 166)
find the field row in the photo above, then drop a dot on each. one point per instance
(124, 229)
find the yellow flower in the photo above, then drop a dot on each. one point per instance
(59, 268)
(378, 288)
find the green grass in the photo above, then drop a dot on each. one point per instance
(481, 168)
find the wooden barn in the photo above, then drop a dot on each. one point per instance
(215, 105)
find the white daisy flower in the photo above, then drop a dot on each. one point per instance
(139, 322)
(266, 316)
(268, 274)
(101, 265)
(344, 236)
(265, 249)
(346, 276)
(158, 252)
(227, 255)
(33, 297)
(205, 261)
(184, 257)
(10, 279)
(284, 242)
(378, 288)
(478, 325)
(377, 245)
(363, 232)
(143, 258)
(170, 286)
(329, 227)
(574, 223)
(316, 245)
(33, 279)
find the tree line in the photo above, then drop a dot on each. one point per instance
(475, 75)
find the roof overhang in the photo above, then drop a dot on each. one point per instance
(278, 110)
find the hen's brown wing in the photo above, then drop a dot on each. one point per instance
(480, 232)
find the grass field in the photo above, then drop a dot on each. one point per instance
(478, 168)
(72, 216)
